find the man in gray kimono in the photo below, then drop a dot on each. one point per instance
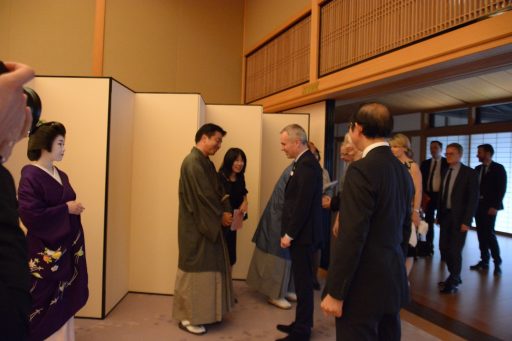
(203, 289)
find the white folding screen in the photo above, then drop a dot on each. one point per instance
(123, 156)
(165, 126)
(120, 160)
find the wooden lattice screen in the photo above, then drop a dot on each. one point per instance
(352, 31)
(281, 63)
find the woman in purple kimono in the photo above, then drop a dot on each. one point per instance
(55, 238)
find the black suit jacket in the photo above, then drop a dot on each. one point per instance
(367, 267)
(464, 197)
(493, 185)
(14, 272)
(425, 170)
(302, 209)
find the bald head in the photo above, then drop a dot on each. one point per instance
(375, 119)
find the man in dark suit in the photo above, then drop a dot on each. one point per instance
(493, 183)
(367, 282)
(432, 171)
(302, 215)
(459, 198)
(15, 121)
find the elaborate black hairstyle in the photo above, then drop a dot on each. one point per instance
(42, 137)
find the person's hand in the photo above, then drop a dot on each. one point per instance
(416, 218)
(15, 116)
(227, 219)
(75, 207)
(326, 201)
(464, 228)
(492, 211)
(332, 306)
(244, 207)
(336, 226)
(285, 242)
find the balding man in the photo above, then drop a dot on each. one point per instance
(367, 283)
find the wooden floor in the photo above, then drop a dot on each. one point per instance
(481, 309)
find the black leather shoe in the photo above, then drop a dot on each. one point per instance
(285, 328)
(295, 336)
(479, 266)
(450, 282)
(497, 270)
(449, 289)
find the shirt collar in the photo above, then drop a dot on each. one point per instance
(298, 156)
(455, 167)
(373, 146)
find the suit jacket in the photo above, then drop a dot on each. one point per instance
(425, 171)
(493, 185)
(464, 197)
(302, 209)
(367, 268)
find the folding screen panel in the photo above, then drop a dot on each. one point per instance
(118, 205)
(164, 130)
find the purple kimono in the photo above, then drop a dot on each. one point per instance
(56, 250)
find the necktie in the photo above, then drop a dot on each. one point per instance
(483, 172)
(446, 189)
(430, 186)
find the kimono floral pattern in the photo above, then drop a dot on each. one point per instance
(49, 258)
(46, 257)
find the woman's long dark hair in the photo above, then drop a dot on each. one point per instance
(227, 165)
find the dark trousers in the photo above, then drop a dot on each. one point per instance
(487, 235)
(384, 327)
(302, 262)
(451, 243)
(326, 239)
(430, 218)
(230, 238)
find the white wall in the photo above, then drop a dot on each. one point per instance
(407, 122)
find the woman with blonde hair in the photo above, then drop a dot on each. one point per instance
(401, 148)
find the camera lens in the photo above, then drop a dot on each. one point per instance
(33, 100)
(34, 103)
